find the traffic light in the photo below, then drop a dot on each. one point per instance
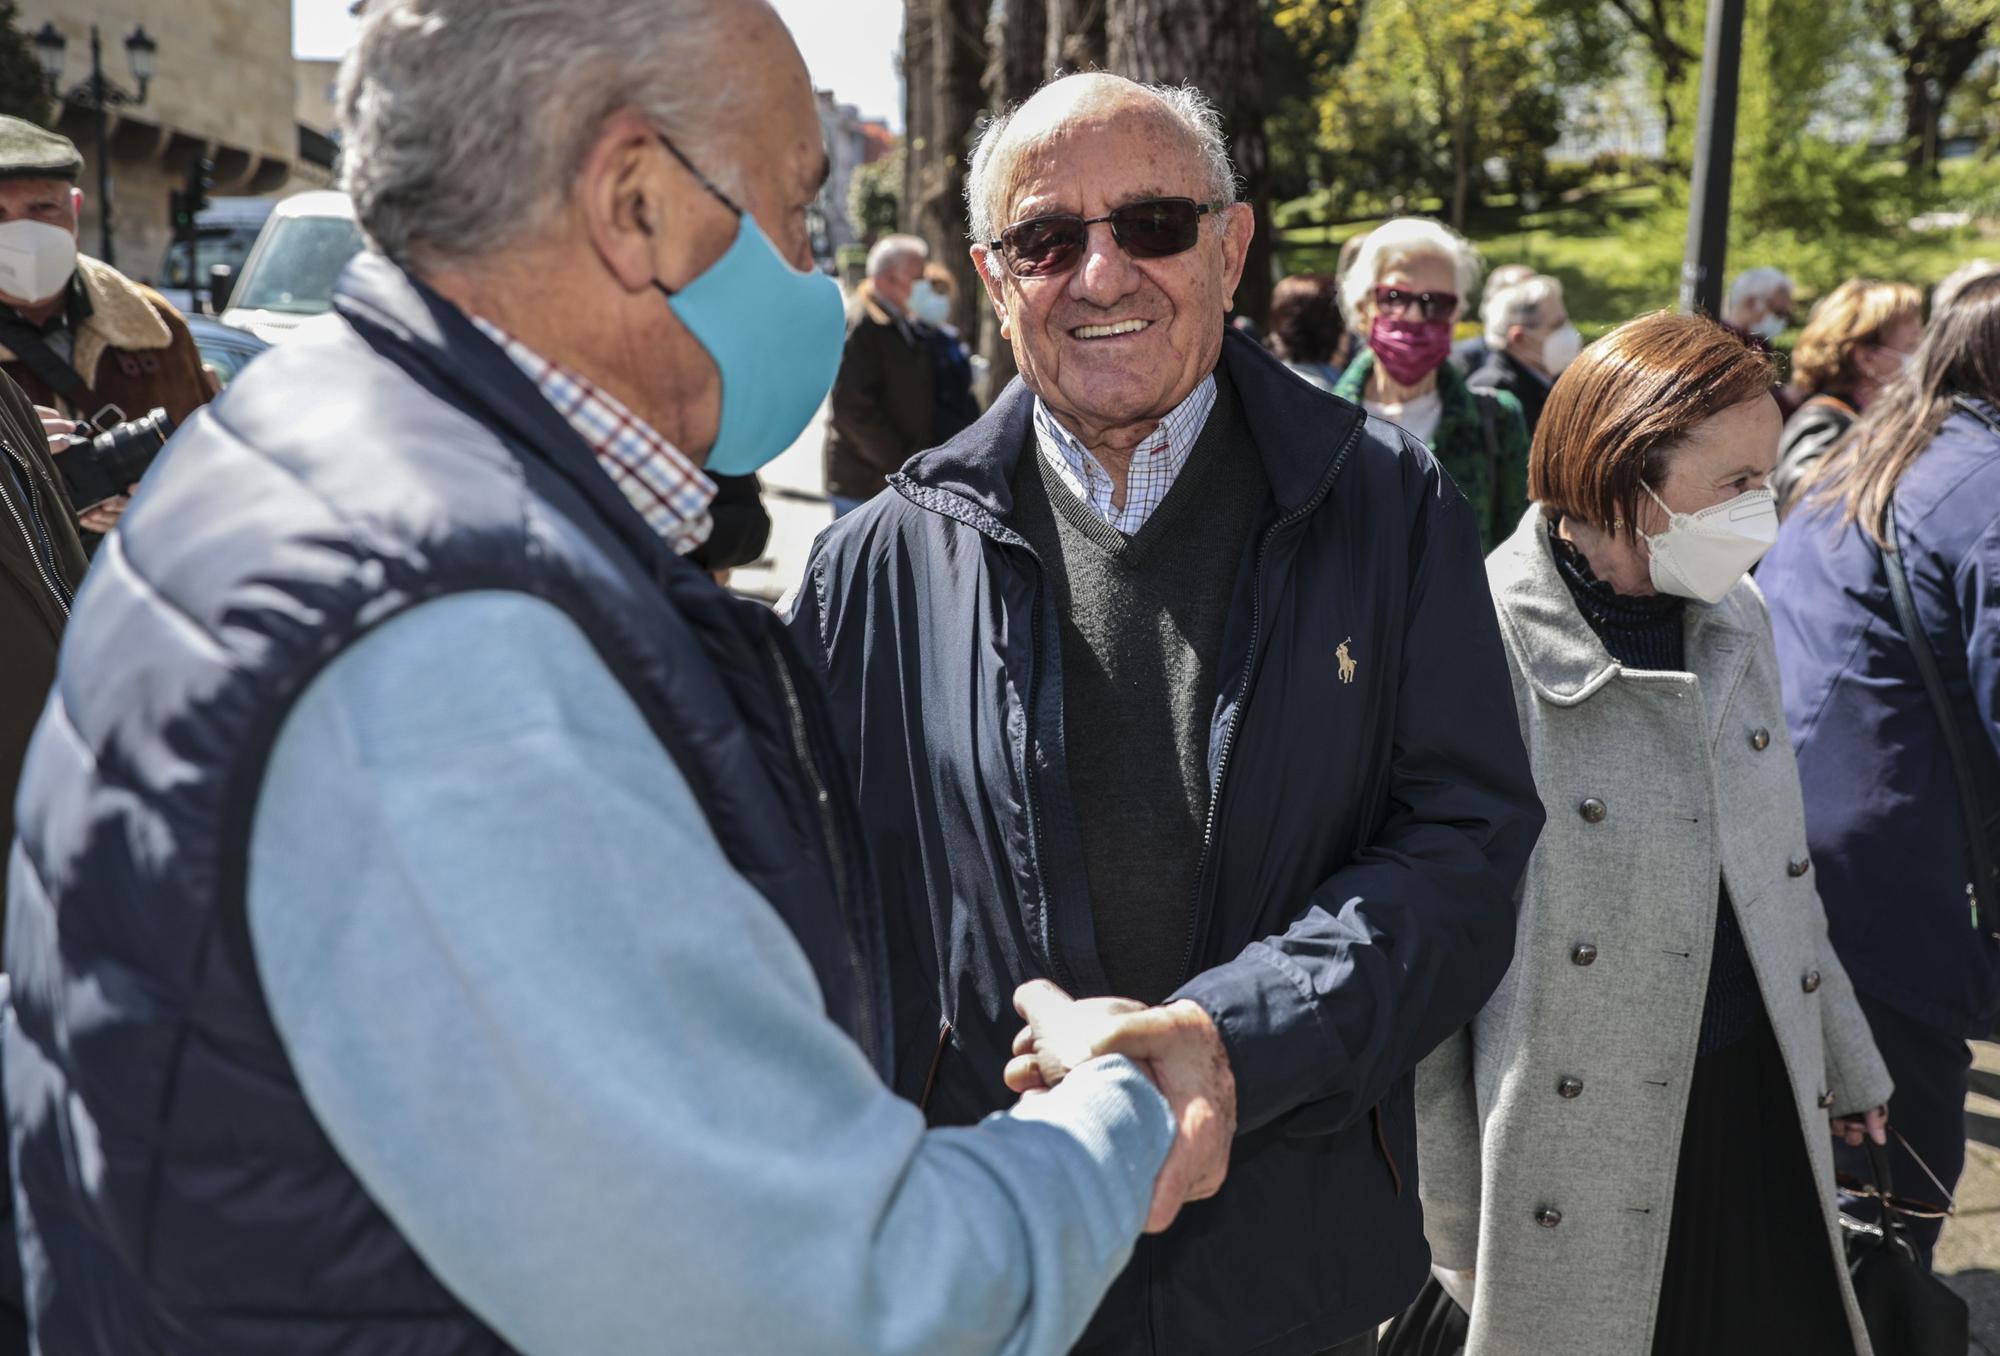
(201, 178)
(178, 216)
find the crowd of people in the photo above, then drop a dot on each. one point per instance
(1348, 840)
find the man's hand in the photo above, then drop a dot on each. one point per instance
(1180, 1050)
(1853, 1131)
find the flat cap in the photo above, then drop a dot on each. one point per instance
(31, 152)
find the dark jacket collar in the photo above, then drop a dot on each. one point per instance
(1297, 428)
(439, 346)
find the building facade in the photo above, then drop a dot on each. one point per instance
(222, 90)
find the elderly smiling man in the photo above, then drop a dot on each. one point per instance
(1177, 680)
(440, 924)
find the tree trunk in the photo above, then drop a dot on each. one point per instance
(1921, 118)
(1464, 148)
(1018, 40)
(958, 59)
(918, 106)
(1214, 45)
(1076, 35)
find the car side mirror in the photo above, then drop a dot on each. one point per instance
(221, 282)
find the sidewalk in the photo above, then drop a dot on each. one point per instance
(1968, 1253)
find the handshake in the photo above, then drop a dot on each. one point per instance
(1177, 1046)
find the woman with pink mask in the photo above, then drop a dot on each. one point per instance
(1405, 292)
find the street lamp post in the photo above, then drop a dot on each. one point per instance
(1714, 157)
(100, 95)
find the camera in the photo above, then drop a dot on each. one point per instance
(100, 466)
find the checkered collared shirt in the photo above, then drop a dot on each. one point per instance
(670, 492)
(1155, 462)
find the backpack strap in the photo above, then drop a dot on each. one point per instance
(1981, 890)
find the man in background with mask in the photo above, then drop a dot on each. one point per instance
(78, 335)
(884, 398)
(441, 904)
(1529, 342)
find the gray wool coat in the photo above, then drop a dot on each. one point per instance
(1655, 782)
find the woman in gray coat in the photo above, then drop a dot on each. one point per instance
(1630, 1149)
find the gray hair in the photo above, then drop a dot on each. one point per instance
(1520, 305)
(465, 121)
(892, 250)
(1397, 242)
(993, 158)
(1758, 282)
(1946, 292)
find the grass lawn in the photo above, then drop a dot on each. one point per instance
(1618, 253)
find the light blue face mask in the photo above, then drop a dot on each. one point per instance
(775, 335)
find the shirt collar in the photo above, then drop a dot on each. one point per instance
(670, 492)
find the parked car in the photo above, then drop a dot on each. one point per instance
(223, 235)
(288, 278)
(224, 348)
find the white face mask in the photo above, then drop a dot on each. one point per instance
(1559, 349)
(1770, 327)
(928, 304)
(1703, 555)
(36, 260)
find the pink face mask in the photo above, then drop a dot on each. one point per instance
(1409, 350)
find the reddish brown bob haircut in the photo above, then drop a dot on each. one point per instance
(1626, 402)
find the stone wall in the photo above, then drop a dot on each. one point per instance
(223, 89)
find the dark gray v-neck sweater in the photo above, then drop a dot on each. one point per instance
(1141, 621)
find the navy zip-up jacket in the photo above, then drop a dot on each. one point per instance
(1364, 842)
(1883, 815)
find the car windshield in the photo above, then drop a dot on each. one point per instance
(296, 269)
(210, 248)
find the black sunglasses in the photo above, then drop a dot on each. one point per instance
(1042, 247)
(1398, 302)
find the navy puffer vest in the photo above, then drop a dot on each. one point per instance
(180, 1197)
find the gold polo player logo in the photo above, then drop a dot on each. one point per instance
(1347, 665)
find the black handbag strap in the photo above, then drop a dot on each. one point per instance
(49, 367)
(1489, 431)
(1980, 890)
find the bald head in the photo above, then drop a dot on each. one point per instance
(1076, 105)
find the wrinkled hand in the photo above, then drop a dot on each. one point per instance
(1854, 1130)
(1179, 1049)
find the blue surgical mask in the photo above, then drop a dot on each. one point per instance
(774, 333)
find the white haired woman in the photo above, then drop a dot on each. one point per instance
(1405, 292)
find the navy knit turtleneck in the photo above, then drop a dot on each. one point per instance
(1648, 633)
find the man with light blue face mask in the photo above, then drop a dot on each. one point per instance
(463, 896)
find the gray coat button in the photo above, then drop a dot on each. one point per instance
(1592, 810)
(1760, 740)
(1583, 953)
(1548, 1217)
(1811, 981)
(1570, 1087)
(1798, 866)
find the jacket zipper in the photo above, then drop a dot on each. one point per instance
(1056, 964)
(802, 749)
(1249, 663)
(27, 538)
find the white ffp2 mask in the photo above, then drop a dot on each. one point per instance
(1560, 348)
(1703, 555)
(36, 260)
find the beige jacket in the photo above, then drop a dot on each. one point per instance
(1654, 783)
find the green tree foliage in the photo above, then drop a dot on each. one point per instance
(1436, 87)
(875, 197)
(24, 90)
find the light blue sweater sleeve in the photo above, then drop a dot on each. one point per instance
(584, 1066)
